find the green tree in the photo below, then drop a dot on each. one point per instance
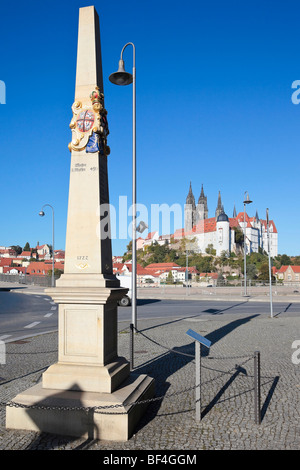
(285, 260)
(251, 271)
(17, 248)
(26, 247)
(170, 279)
(264, 273)
(239, 236)
(210, 249)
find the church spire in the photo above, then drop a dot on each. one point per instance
(202, 209)
(219, 208)
(234, 212)
(190, 197)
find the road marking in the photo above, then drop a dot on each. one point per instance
(53, 308)
(31, 325)
(4, 337)
(48, 314)
(53, 303)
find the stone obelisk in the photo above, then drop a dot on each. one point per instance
(87, 292)
(89, 373)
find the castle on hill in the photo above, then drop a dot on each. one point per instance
(220, 231)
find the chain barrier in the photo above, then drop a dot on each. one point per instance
(186, 354)
(105, 409)
(162, 346)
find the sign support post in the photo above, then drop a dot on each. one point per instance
(199, 342)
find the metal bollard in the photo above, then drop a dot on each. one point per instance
(131, 346)
(257, 410)
(198, 380)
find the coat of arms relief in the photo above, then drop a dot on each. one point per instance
(89, 125)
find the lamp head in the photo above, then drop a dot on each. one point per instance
(141, 227)
(247, 200)
(42, 213)
(121, 77)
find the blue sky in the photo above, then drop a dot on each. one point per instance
(214, 88)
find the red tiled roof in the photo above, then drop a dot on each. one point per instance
(139, 269)
(6, 261)
(179, 233)
(211, 275)
(233, 222)
(296, 269)
(41, 266)
(8, 251)
(162, 265)
(7, 269)
(240, 218)
(282, 269)
(150, 236)
(118, 266)
(191, 269)
(271, 224)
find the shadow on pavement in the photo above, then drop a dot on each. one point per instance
(147, 301)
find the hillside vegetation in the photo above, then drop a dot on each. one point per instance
(183, 252)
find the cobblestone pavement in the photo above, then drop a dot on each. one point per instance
(164, 351)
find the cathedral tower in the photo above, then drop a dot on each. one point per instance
(189, 211)
(202, 209)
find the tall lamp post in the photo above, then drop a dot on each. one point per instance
(270, 269)
(246, 201)
(121, 78)
(42, 213)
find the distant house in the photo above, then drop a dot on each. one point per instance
(178, 272)
(143, 275)
(140, 243)
(209, 277)
(13, 270)
(288, 273)
(6, 252)
(43, 251)
(41, 268)
(150, 239)
(117, 259)
(59, 255)
(26, 255)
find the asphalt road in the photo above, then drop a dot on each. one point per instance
(203, 308)
(23, 315)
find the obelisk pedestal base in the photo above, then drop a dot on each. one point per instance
(103, 416)
(87, 346)
(91, 378)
